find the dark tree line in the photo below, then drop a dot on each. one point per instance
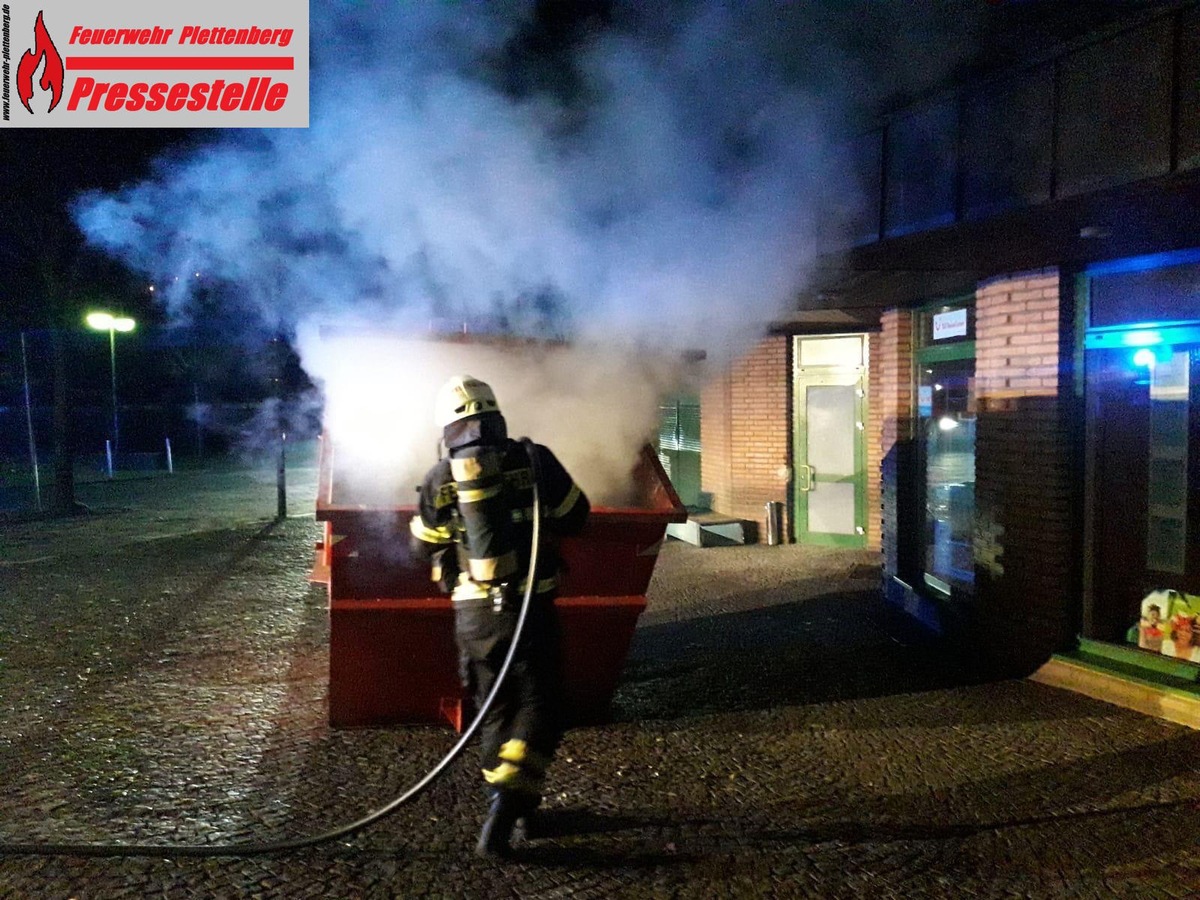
(49, 277)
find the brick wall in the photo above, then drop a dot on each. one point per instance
(744, 426)
(1026, 507)
(745, 423)
(716, 472)
(874, 441)
(891, 401)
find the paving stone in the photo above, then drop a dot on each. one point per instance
(163, 680)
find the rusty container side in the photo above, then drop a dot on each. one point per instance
(393, 659)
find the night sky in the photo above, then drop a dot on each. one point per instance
(42, 171)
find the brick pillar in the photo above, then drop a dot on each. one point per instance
(716, 472)
(891, 401)
(760, 429)
(1026, 517)
(874, 440)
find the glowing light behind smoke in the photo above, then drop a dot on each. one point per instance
(594, 406)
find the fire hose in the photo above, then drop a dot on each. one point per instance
(253, 848)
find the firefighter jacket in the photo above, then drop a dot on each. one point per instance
(475, 520)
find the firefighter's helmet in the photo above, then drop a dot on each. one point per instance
(463, 396)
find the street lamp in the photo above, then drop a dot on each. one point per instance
(102, 321)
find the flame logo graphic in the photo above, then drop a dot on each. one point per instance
(52, 74)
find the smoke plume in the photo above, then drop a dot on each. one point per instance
(640, 188)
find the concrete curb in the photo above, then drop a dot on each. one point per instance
(1179, 706)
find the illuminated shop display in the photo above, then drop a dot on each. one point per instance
(1143, 375)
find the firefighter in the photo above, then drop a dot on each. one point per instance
(475, 527)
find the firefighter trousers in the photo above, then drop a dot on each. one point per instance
(524, 724)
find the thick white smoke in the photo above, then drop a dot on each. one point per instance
(661, 196)
(593, 406)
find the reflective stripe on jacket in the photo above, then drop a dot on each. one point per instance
(482, 498)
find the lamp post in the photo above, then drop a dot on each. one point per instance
(33, 458)
(102, 321)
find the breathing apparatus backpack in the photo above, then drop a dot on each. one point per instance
(485, 515)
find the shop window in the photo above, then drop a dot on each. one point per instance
(1188, 82)
(946, 416)
(1168, 477)
(1115, 111)
(1139, 294)
(947, 398)
(1008, 144)
(1143, 406)
(921, 169)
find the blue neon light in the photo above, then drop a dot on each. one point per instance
(1144, 334)
(1142, 338)
(1144, 357)
(1145, 263)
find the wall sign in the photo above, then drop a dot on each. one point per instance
(949, 324)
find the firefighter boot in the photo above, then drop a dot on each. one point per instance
(530, 824)
(494, 839)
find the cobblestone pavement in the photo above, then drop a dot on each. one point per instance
(163, 677)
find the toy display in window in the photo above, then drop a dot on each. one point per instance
(1168, 625)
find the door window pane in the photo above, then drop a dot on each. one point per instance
(947, 416)
(837, 351)
(831, 412)
(832, 430)
(831, 508)
(1166, 543)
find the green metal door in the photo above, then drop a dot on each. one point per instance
(830, 445)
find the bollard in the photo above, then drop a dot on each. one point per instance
(108, 457)
(774, 523)
(170, 462)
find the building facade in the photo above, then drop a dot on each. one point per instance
(1015, 421)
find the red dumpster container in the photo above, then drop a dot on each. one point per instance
(392, 657)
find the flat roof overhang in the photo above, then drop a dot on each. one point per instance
(1150, 216)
